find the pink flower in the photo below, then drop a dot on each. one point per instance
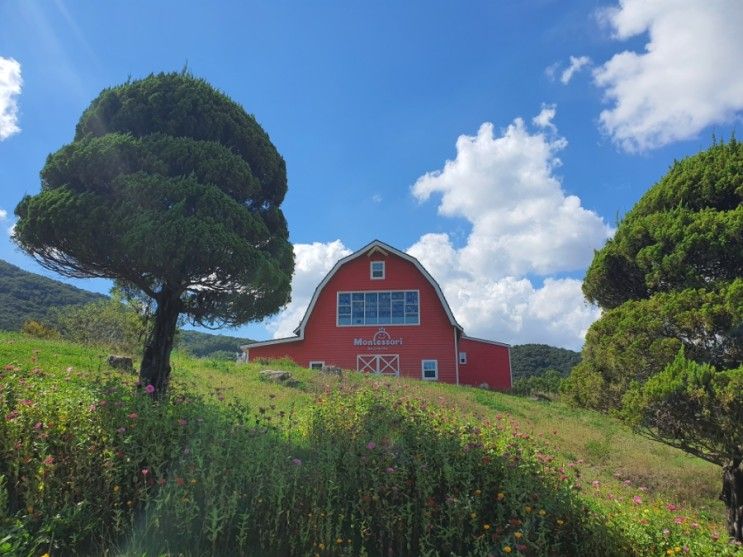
(145, 471)
(390, 470)
(48, 461)
(637, 500)
(121, 430)
(371, 445)
(671, 507)
(596, 484)
(133, 416)
(695, 525)
(627, 482)
(679, 520)
(149, 389)
(296, 462)
(182, 422)
(12, 415)
(38, 425)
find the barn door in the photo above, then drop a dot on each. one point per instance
(387, 364)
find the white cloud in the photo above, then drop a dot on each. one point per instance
(576, 64)
(687, 78)
(10, 88)
(3, 214)
(377, 198)
(312, 263)
(522, 221)
(545, 117)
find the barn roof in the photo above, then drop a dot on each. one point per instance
(372, 247)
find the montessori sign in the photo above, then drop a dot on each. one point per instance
(381, 338)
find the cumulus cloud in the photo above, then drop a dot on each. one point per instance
(3, 214)
(687, 78)
(312, 263)
(10, 88)
(577, 63)
(522, 221)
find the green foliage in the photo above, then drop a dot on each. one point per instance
(671, 277)
(691, 406)
(27, 296)
(38, 330)
(536, 359)
(204, 345)
(639, 338)
(108, 323)
(547, 383)
(683, 233)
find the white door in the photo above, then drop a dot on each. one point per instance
(387, 364)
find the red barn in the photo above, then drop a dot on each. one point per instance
(378, 310)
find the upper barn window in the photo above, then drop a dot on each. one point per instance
(378, 308)
(376, 270)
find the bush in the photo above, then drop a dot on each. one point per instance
(548, 383)
(38, 330)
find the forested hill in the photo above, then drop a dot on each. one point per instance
(534, 359)
(25, 296)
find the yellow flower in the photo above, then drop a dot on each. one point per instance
(507, 549)
(116, 490)
(45, 555)
(542, 512)
(339, 541)
(527, 509)
(478, 492)
(669, 552)
(518, 535)
(321, 546)
(501, 496)
(473, 515)
(486, 526)
(677, 549)
(560, 522)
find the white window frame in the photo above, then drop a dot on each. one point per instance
(463, 358)
(337, 303)
(316, 362)
(435, 368)
(371, 270)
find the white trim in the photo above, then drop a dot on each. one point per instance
(371, 269)
(270, 342)
(376, 244)
(364, 363)
(510, 371)
(456, 354)
(423, 371)
(315, 362)
(487, 341)
(462, 358)
(337, 298)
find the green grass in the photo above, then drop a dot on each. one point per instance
(242, 434)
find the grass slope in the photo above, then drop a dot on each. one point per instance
(652, 498)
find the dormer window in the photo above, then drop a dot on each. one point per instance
(376, 270)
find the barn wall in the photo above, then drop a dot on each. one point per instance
(325, 341)
(486, 363)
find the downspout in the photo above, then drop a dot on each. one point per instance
(456, 353)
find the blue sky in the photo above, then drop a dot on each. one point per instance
(368, 101)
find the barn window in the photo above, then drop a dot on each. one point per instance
(378, 308)
(316, 364)
(430, 369)
(463, 357)
(376, 270)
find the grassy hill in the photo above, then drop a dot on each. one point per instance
(328, 465)
(25, 296)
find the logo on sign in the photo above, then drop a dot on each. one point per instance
(380, 339)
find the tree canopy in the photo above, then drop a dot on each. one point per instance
(172, 189)
(671, 277)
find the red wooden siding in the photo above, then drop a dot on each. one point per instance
(434, 338)
(486, 363)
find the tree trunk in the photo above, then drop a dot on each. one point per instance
(732, 496)
(155, 369)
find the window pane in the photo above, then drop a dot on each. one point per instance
(344, 299)
(358, 296)
(358, 312)
(384, 308)
(344, 320)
